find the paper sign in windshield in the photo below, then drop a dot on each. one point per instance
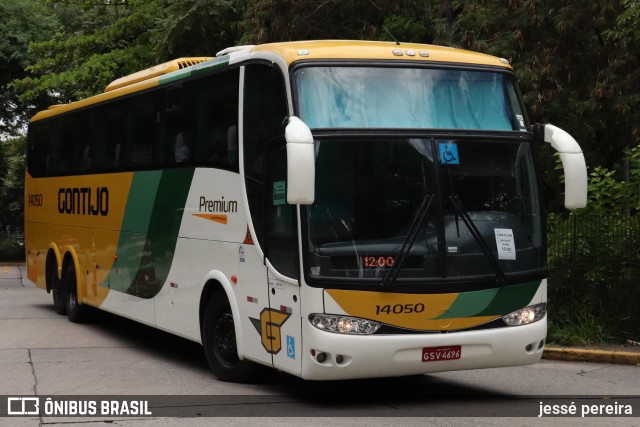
(505, 243)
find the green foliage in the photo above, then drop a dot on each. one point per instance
(278, 20)
(578, 64)
(593, 256)
(582, 329)
(12, 166)
(102, 44)
(21, 22)
(11, 250)
(198, 28)
(594, 264)
(609, 193)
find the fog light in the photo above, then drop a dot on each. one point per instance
(344, 324)
(525, 316)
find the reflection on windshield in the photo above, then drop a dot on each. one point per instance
(419, 98)
(370, 191)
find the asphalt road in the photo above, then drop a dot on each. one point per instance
(43, 354)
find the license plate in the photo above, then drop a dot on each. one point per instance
(435, 354)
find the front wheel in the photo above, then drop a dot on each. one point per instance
(219, 340)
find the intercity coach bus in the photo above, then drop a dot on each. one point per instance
(331, 209)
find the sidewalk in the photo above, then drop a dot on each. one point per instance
(607, 353)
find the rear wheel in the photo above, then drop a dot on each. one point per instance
(219, 340)
(56, 286)
(75, 311)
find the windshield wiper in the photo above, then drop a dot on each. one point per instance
(460, 210)
(418, 220)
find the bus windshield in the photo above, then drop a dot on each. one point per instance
(408, 98)
(483, 208)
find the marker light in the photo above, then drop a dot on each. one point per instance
(344, 324)
(527, 315)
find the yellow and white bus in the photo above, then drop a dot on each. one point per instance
(331, 209)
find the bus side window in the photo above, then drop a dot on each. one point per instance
(108, 135)
(38, 148)
(144, 134)
(182, 133)
(53, 158)
(61, 152)
(221, 120)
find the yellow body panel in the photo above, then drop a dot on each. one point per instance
(91, 239)
(426, 312)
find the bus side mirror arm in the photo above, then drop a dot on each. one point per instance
(301, 162)
(573, 163)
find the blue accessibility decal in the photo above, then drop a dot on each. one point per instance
(448, 153)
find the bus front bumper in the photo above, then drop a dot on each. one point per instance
(332, 356)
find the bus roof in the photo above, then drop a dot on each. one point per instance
(290, 52)
(374, 50)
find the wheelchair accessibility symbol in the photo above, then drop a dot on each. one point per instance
(448, 153)
(291, 347)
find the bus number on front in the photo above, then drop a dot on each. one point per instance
(400, 308)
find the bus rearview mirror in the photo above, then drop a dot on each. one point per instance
(301, 163)
(573, 163)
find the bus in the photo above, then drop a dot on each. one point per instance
(330, 209)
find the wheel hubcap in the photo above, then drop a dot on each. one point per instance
(225, 339)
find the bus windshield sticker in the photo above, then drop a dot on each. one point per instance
(505, 243)
(448, 153)
(279, 193)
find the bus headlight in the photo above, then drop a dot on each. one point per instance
(344, 324)
(526, 315)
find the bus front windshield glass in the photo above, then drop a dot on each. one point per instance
(464, 207)
(472, 204)
(335, 97)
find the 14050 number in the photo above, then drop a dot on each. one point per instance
(400, 308)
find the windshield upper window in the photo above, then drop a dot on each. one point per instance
(407, 98)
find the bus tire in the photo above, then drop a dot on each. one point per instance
(76, 312)
(56, 286)
(219, 341)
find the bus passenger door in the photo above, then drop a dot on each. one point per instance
(284, 330)
(281, 247)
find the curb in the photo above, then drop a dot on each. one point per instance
(570, 354)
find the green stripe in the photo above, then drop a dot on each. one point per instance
(511, 298)
(491, 302)
(150, 231)
(142, 194)
(203, 67)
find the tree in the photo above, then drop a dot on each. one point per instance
(279, 20)
(577, 65)
(103, 43)
(198, 28)
(12, 162)
(21, 22)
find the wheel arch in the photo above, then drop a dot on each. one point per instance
(217, 285)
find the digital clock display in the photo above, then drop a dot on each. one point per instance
(380, 261)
